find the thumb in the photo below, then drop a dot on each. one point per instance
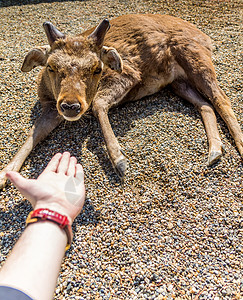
(18, 180)
(22, 184)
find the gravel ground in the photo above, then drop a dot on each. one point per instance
(173, 229)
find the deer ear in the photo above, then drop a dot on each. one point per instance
(111, 58)
(35, 57)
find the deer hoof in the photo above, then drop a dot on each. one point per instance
(121, 167)
(214, 157)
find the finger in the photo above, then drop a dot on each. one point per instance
(79, 173)
(53, 163)
(64, 163)
(71, 168)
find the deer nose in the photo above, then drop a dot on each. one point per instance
(75, 107)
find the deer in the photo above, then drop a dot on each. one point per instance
(124, 60)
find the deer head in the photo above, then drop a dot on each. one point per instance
(73, 67)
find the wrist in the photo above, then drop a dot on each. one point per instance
(45, 215)
(55, 207)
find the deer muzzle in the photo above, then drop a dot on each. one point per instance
(71, 110)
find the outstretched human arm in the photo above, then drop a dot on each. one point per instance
(34, 263)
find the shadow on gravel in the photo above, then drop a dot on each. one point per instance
(17, 215)
(6, 3)
(71, 136)
(8, 219)
(124, 117)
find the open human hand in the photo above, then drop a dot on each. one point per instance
(59, 187)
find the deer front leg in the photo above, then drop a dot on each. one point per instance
(113, 89)
(43, 126)
(118, 161)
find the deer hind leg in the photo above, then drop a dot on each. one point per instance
(43, 126)
(183, 89)
(223, 106)
(197, 64)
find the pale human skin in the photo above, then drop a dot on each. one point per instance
(34, 263)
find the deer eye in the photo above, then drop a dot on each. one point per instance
(49, 68)
(98, 71)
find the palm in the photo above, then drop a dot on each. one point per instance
(60, 186)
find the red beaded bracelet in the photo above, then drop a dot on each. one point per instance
(45, 214)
